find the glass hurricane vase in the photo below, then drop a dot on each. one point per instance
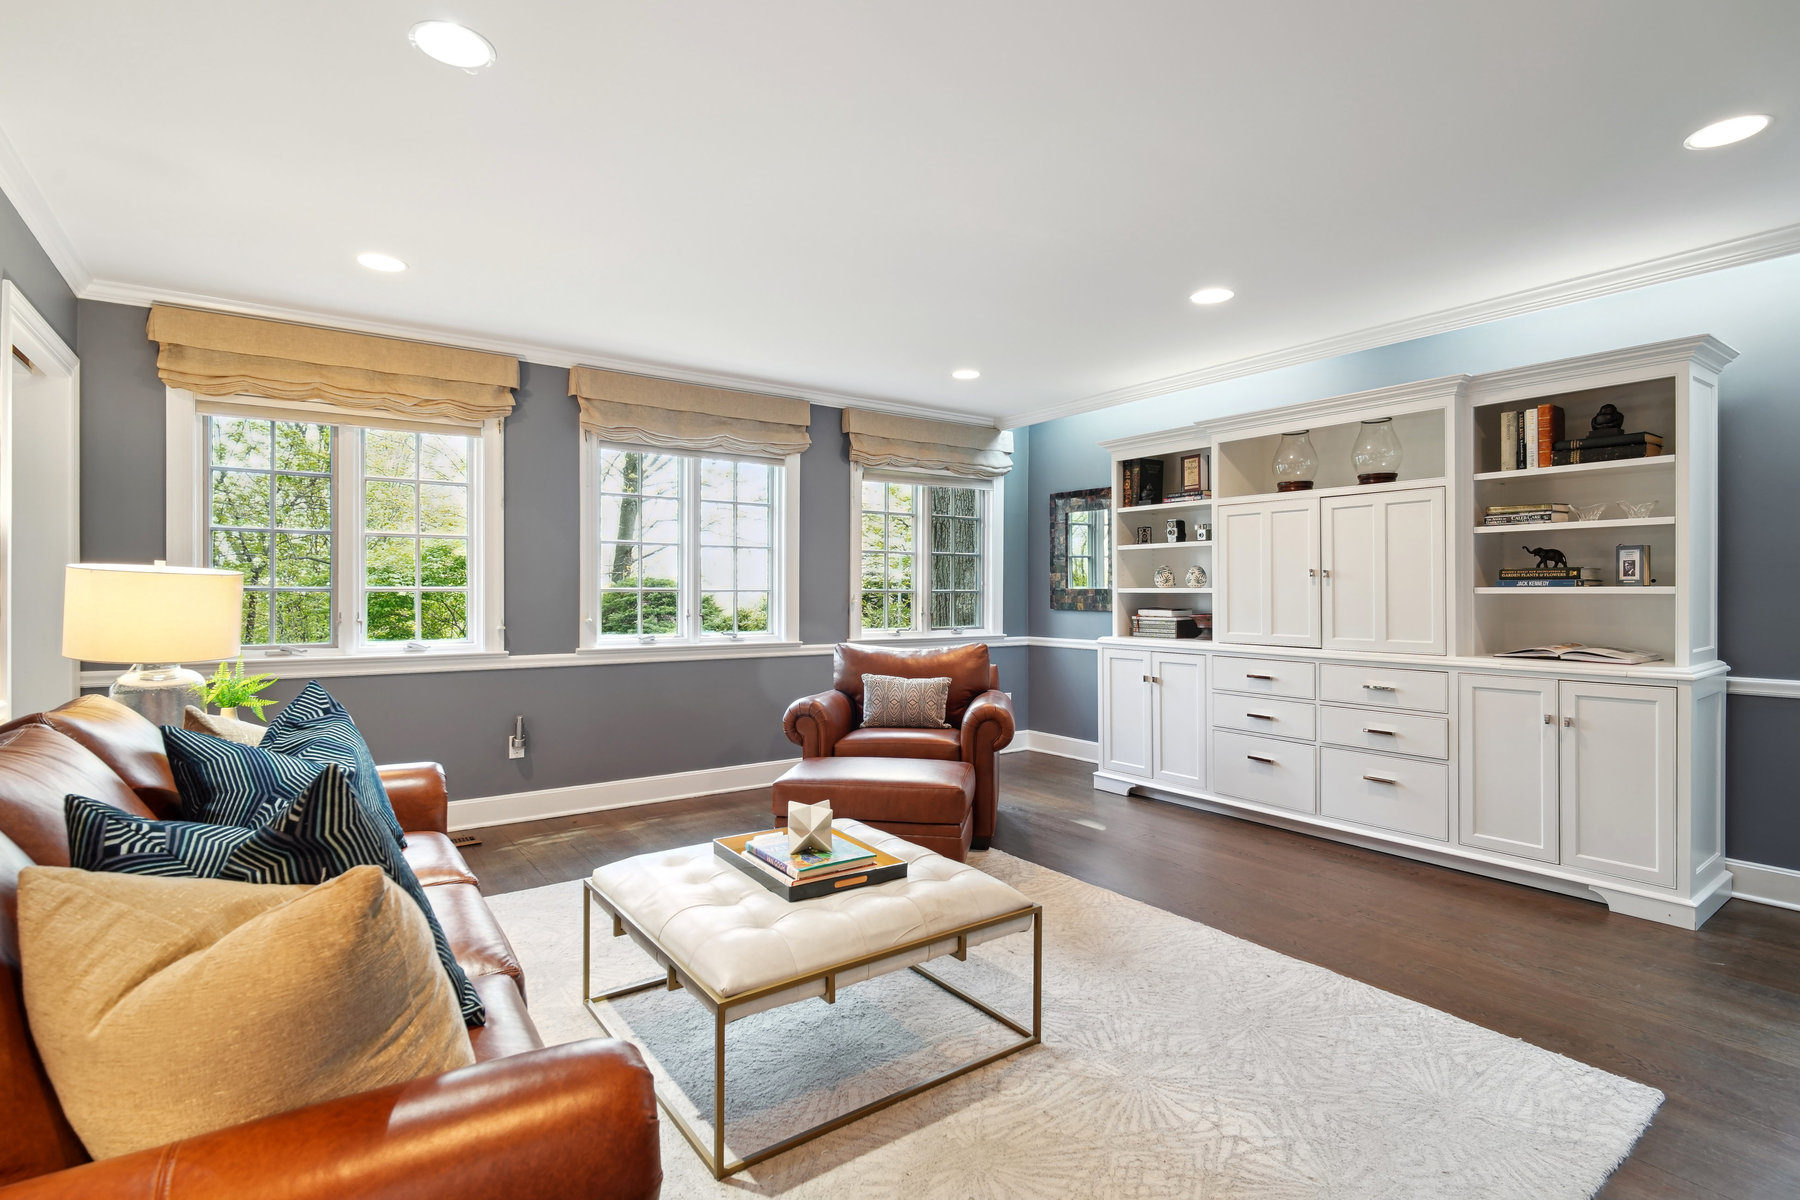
(1376, 454)
(1296, 462)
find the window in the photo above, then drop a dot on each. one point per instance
(687, 548)
(925, 552)
(350, 538)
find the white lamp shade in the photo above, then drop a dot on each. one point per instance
(137, 614)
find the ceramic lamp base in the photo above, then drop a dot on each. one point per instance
(159, 691)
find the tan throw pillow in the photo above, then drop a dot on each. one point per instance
(244, 733)
(165, 1008)
(890, 702)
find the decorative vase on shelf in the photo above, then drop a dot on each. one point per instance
(1296, 462)
(1165, 577)
(1196, 577)
(1376, 454)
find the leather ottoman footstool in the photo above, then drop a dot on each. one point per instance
(928, 802)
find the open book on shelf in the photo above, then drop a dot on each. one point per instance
(1576, 652)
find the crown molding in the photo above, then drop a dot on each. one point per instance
(1775, 243)
(34, 210)
(140, 295)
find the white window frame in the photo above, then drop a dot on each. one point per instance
(186, 522)
(784, 576)
(993, 599)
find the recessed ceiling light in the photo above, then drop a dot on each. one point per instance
(966, 373)
(1212, 295)
(380, 262)
(1724, 133)
(452, 44)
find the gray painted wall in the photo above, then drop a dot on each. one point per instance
(24, 262)
(1755, 309)
(587, 724)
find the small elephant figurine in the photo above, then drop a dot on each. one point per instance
(1547, 557)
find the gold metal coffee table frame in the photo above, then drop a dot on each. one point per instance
(677, 976)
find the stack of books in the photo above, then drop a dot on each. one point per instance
(801, 876)
(1183, 497)
(1539, 577)
(1143, 482)
(1527, 514)
(1528, 438)
(1607, 448)
(1170, 623)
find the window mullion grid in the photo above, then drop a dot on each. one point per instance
(687, 495)
(349, 565)
(922, 542)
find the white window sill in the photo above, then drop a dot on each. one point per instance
(937, 636)
(631, 650)
(334, 665)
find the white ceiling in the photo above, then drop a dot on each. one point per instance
(859, 197)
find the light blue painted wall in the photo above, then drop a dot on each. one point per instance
(1755, 309)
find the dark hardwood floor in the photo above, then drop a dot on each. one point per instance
(1712, 1018)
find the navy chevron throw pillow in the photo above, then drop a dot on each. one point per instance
(229, 783)
(314, 836)
(317, 728)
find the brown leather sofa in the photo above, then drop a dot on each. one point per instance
(525, 1122)
(979, 713)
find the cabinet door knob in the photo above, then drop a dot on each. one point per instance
(1147, 679)
(1259, 758)
(1327, 574)
(1568, 722)
(1372, 729)
(1382, 779)
(1312, 573)
(1549, 719)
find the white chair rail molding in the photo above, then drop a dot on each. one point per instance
(1499, 652)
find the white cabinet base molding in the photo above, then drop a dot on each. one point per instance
(1353, 684)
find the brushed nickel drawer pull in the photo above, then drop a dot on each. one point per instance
(1260, 716)
(1253, 675)
(1568, 722)
(1156, 679)
(1259, 758)
(1381, 779)
(1372, 729)
(1379, 687)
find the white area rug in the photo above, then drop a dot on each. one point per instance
(1177, 1061)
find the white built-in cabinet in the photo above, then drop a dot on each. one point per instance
(1268, 585)
(1354, 686)
(1382, 571)
(1157, 731)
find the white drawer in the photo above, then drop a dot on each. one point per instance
(1263, 676)
(1386, 686)
(1264, 770)
(1265, 714)
(1389, 732)
(1388, 793)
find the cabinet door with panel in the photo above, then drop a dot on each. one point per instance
(1126, 704)
(1178, 748)
(1268, 593)
(1508, 798)
(1382, 571)
(1618, 780)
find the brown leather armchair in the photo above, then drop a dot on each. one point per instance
(979, 713)
(526, 1121)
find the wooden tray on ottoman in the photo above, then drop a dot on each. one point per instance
(884, 868)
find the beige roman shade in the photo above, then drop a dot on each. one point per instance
(638, 410)
(916, 444)
(218, 354)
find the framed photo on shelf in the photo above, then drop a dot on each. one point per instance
(1193, 474)
(1633, 566)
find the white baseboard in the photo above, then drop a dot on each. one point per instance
(655, 789)
(614, 793)
(1055, 743)
(1761, 884)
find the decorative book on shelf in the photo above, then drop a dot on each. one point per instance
(1576, 652)
(870, 867)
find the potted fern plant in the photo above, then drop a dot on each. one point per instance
(230, 689)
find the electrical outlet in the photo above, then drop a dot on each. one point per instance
(515, 743)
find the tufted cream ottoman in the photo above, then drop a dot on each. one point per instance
(739, 949)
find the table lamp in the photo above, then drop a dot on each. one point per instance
(154, 617)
